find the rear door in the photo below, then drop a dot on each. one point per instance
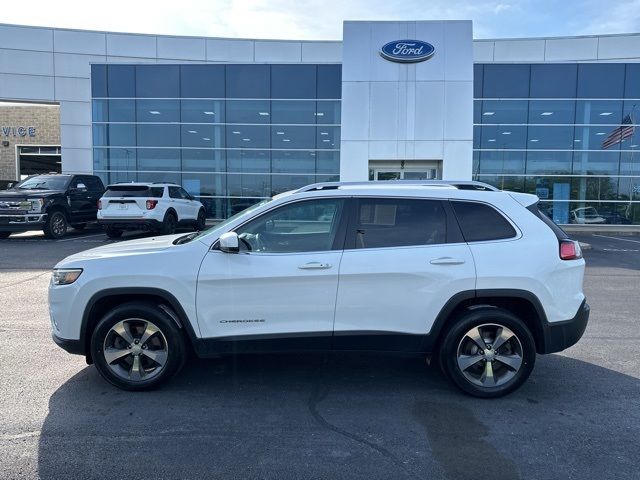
(403, 259)
(78, 199)
(94, 192)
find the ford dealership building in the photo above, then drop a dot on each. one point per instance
(237, 120)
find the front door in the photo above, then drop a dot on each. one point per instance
(403, 259)
(279, 291)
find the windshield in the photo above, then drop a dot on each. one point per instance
(232, 218)
(44, 182)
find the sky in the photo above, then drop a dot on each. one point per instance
(322, 19)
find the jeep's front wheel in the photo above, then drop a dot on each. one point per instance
(56, 225)
(488, 352)
(137, 346)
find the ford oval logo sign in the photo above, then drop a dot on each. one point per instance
(407, 51)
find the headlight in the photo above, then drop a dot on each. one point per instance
(65, 276)
(36, 205)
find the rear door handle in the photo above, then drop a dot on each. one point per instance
(447, 261)
(314, 266)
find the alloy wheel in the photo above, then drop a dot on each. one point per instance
(58, 225)
(135, 349)
(489, 355)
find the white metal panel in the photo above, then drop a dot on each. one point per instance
(457, 160)
(619, 46)
(26, 62)
(73, 41)
(75, 136)
(75, 113)
(383, 150)
(381, 33)
(181, 48)
(429, 111)
(383, 110)
(458, 111)
(571, 49)
(322, 52)
(356, 54)
(458, 37)
(124, 45)
(354, 161)
(26, 38)
(277, 51)
(131, 60)
(519, 51)
(219, 50)
(68, 88)
(434, 68)
(483, 51)
(26, 87)
(355, 111)
(428, 150)
(73, 65)
(76, 160)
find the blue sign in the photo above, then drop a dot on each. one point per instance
(407, 51)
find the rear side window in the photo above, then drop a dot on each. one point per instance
(399, 223)
(560, 233)
(480, 222)
(133, 191)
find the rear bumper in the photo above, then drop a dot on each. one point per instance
(22, 223)
(561, 335)
(71, 346)
(131, 224)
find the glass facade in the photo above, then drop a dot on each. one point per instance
(229, 134)
(566, 132)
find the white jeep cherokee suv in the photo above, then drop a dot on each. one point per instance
(159, 207)
(476, 277)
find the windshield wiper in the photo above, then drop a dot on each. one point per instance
(185, 238)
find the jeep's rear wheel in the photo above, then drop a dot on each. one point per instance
(488, 353)
(56, 225)
(137, 346)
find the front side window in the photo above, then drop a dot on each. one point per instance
(399, 223)
(307, 226)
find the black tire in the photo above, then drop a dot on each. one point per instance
(137, 315)
(169, 224)
(5, 234)
(79, 226)
(56, 225)
(113, 232)
(456, 343)
(201, 222)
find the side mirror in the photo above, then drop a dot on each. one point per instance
(229, 242)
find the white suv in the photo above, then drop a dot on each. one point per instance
(475, 277)
(159, 207)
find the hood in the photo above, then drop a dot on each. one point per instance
(122, 249)
(21, 194)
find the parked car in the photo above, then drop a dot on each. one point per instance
(158, 207)
(587, 216)
(50, 202)
(477, 278)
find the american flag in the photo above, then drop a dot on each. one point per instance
(619, 134)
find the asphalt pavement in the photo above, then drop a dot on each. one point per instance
(315, 416)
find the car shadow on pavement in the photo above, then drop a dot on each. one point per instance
(343, 416)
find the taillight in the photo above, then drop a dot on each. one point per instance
(570, 250)
(151, 204)
(99, 204)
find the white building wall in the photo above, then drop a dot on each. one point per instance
(407, 112)
(54, 65)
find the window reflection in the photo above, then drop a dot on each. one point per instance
(202, 111)
(252, 161)
(248, 136)
(504, 111)
(248, 111)
(552, 111)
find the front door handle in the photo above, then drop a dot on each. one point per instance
(447, 261)
(314, 266)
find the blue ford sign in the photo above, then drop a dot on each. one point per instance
(407, 51)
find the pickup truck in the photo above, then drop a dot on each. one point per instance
(50, 203)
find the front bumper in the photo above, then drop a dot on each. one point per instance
(72, 346)
(22, 222)
(561, 335)
(131, 224)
